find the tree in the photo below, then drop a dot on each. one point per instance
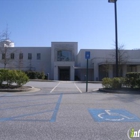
(122, 58)
(104, 69)
(7, 53)
(5, 35)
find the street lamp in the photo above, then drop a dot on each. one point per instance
(116, 33)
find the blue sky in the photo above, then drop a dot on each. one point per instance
(88, 22)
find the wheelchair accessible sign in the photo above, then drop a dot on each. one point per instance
(87, 55)
(113, 115)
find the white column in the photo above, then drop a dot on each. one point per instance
(72, 73)
(55, 72)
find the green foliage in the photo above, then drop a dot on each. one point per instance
(35, 75)
(21, 78)
(138, 82)
(132, 79)
(107, 82)
(12, 76)
(115, 83)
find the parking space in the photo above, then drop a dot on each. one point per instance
(65, 87)
(63, 110)
(14, 107)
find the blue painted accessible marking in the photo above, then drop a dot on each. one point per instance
(53, 118)
(113, 115)
(21, 117)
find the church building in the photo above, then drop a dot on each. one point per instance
(62, 61)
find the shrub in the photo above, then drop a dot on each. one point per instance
(106, 82)
(132, 80)
(30, 74)
(138, 82)
(42, 75)
(21, 78)
(115, 83)
(2, 76)
(35, 75)
(12, 76)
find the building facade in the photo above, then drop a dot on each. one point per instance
(62, 61)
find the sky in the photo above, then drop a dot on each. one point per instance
(91, 23)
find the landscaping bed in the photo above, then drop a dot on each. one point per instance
(13, 80)
(122, 90)
(16, 89)
(129, 83)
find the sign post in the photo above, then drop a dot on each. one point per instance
(87, 56)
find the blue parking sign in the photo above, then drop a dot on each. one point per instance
(87, 55)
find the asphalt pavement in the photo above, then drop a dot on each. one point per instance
(62, 110)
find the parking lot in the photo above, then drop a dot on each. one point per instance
(64, 111)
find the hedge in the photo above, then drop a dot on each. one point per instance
(36, 75)
(12, 76)
(131, 80)
(115, 83)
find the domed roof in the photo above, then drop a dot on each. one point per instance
(8, 41)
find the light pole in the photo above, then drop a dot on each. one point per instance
(48, 76)
(116, 33)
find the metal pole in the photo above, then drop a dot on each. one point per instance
(87, 77)
(48, 76)
(116, 37)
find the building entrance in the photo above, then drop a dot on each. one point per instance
(64, 73)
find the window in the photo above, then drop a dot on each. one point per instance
(64, 55)
(3, 56)
(12, 55)
(131, 68)
(103, 71)
(21, 56)
(29, 56)
(38, 56)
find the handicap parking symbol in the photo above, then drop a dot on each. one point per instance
(113, 115)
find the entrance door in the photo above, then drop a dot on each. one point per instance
(64, 73)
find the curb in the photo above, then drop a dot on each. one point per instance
(119, 91)
(40, 80)
(17, 90)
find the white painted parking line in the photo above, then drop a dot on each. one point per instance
(78, 88)
(54, 87)
(95, 89)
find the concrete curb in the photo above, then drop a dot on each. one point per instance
(119, 91)
(40, 80)
(29, 88)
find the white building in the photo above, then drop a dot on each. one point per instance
(62, 61)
